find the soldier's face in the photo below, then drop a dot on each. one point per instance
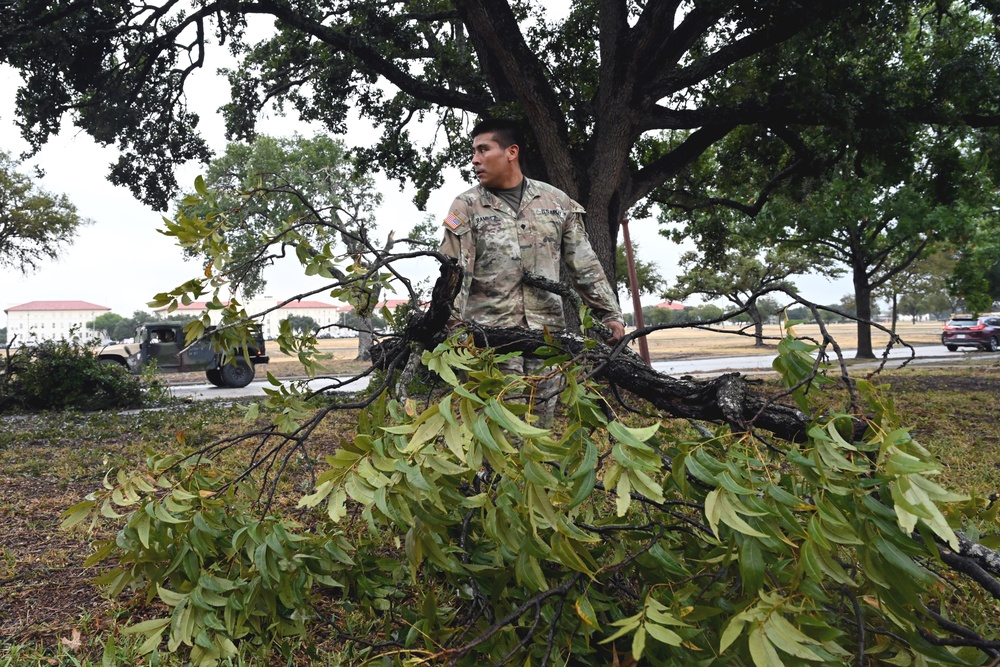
(495, 167)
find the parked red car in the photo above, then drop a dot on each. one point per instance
(967, 331)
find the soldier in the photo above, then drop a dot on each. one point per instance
(509, 224)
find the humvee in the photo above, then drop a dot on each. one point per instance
(162, 342)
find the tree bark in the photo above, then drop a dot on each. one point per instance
(863, 310)
(758, 323)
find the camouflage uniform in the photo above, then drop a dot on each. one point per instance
(494, 245)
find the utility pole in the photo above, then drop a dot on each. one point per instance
(633, 281)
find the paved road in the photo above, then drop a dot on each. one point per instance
(926, 354)
(199, 392)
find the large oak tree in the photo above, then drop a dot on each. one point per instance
(621, 97)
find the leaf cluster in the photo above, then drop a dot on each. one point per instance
(193, 541)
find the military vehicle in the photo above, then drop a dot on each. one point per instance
(162, 343)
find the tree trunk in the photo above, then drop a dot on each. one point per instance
(366, 333)
(895, 310)
(758, 323)
(366, 336)
(863, 310)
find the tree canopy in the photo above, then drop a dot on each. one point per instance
(622, 98)
(739, 277)
(976, 278)
(35, 225)
(314, 196)
(117, 327)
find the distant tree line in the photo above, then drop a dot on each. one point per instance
(938, 305)
(118, 328)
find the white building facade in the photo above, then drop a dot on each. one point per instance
(52, 320)
(324, 314)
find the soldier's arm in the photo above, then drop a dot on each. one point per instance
(459, 242)
(588, 275)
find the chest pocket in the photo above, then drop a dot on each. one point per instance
(540, 238)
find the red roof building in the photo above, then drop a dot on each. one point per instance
(46, 306)
(52, 320)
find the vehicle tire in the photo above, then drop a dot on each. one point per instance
(992, 345)
(952, 348)
(113, 360)
(215, 377)
(237, 374)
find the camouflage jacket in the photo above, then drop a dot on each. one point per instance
(494, 245)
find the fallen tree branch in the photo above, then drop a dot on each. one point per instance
(726, 399)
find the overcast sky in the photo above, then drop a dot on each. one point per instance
(120, 260)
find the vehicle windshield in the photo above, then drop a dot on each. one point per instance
(962, 323)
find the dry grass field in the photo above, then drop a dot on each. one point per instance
(681, 343)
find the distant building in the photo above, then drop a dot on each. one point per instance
(322, 313)
(670, 305)
(391, 304)
(52, 320)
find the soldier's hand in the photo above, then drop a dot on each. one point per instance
(617, 331)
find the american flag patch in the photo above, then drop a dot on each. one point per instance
(453, 221)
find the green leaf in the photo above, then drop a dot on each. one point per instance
(752, 565)
(732, 631)
(142, 527)
(623, 499)
(637, 459)
(77, 513)
(586, 612)
(788, 638)
(761, 649)
(537, 474)
(566, 552)
(169, 597)
(501, 415)
(642, 483)
(633, 437)
(199, 186)
(819, 563)
(713, 510)
(152, 625)
(427, 430)
(727, 513)
(639, 642)
(903, 562)
(663, 635)
(900, 463)
(625, 626)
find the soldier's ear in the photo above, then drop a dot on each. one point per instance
(513, 152)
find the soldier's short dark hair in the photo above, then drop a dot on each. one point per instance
(506, 132)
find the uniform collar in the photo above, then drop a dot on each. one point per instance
(487, 198)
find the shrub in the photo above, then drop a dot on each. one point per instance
(60, 375)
